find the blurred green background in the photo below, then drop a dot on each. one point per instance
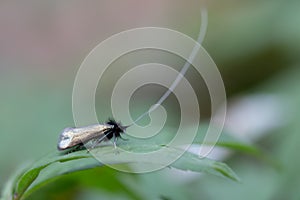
(255, 44)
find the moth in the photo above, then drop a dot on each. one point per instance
(77, 137)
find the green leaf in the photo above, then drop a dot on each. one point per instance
(57, 164)
(101, 181)
(192, 162)
(32, 173)
(56, 169)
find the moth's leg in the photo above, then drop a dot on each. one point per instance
(115, 141)
(76, 148)
(80, 147)
(124, 132)
(125, 139)
(99, 140)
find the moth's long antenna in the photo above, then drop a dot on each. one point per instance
(202, 32)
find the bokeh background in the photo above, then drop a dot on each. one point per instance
(255, 44)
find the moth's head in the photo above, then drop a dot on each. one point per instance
(116, 126)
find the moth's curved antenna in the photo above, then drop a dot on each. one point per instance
(201, 36)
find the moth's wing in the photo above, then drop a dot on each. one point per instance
(96, 141)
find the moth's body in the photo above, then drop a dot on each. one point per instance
(72, 137)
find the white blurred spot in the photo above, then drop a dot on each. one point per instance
(250, 117)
